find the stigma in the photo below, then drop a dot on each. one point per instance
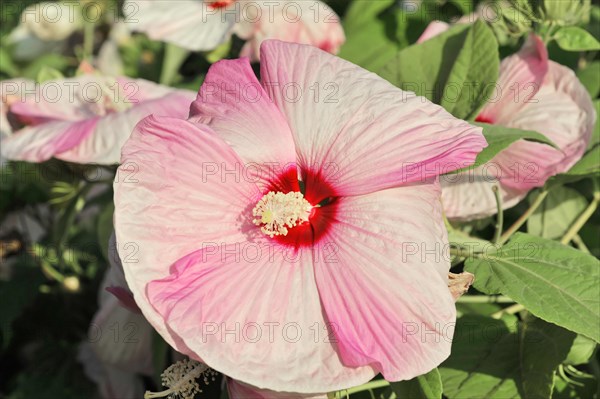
(277, 212)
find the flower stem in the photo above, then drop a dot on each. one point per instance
(173, 58)
(521, 221)
(583, 218)
(485, 299)
(366, 387)
(499, 215)
(88, 39)
(580, 244)
(516, 308)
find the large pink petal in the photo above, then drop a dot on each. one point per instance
(521, 76)
(234, 104)
(313, 23)
(191, 24)
(252, 311)
(111, 132)
(239, 390)
(385, 289)
(370, 134)
(171, 199)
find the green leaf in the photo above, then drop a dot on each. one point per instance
(555, 282)
(504, 358)
(483, 361)
(470, 83)
(590, 78)
(219, 53)
(52, 60)
(542, 347)
(572, 38)
(105, 228)
(369, 27)
(456, 69)
(581, 351)
(6, 64)
(587, 166)
(426, 386)
(500, 137)
(173, 58)
(47, 73)
(17, 293)
(556, 214)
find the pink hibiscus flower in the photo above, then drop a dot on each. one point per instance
(290, 234)
(203, 25)
(533, 94)
(85, 119)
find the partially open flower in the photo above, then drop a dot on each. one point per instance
(536, 94)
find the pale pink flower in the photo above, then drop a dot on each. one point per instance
(226, 238)
(203, 25)
(119, 335)
(85, 119)
(533, 93)
(112, 382)
(118, 350)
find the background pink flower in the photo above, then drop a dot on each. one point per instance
(534, 94)
(203, 25)
(119, 346)
(84, 119)
(368, 154)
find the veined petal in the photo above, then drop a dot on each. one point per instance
(385, 289)
(191, 24)
(133, 352)
(313, 23)
(172, 198)
(371, 134)
(233, 103)
(562, 110)
(68, 99)
(42, 142)
(521, 76)
(275, 338)
(111, 132)
(469, 195)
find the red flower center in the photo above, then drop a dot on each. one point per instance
(221, 4)
(484, 119)
(319, 193)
